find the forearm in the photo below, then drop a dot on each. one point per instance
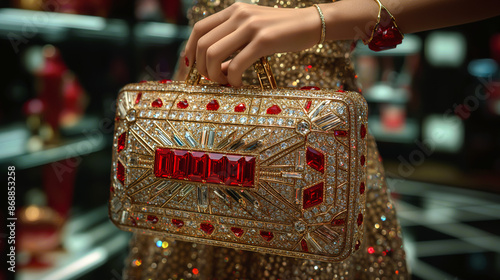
(354, 19)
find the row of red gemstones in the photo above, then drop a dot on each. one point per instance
(362, 160)
(198, 166)
(208, 228)
(362, 188)
(214, 104)
(211, 106)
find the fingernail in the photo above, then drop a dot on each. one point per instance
(227, 85)
(186, 60)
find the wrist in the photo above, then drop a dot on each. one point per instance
(350, 19)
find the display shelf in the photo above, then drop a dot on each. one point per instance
(159, 33)
(89, 240)
(19, 25)
(52, 27)
(14, 141)
(407, 134)
(384, 93)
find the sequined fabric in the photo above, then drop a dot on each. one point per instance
(381, 255)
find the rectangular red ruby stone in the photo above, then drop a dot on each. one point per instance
(216, 168)
(181, 164)
(304, 246)
(249, 171)
(120, 172)
(198, 166)
(122, 140)
(234, 170)
(315, 159)
(197, 170)
(164, 159)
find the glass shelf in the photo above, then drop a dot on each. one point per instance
(20, 25)
(89, 241)
(15, 151)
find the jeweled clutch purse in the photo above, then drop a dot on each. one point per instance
(266, 169)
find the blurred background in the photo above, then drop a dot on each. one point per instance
(434, 108)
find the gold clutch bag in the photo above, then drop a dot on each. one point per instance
(266, 169)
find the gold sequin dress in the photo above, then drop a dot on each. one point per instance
(381, 255)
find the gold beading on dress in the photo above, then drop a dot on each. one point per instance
(381, 255)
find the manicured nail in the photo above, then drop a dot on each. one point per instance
(186, 60)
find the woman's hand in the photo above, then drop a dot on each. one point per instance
(253, 30)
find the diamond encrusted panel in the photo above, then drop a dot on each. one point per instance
(278, 171)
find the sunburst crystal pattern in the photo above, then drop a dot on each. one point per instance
(243, 168)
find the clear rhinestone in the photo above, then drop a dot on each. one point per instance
(127, 204)
(308, 177)
(331, 159)
(116, 204)
(303, 128)
(131, 115)
(300, 226)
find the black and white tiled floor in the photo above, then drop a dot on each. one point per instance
(449, 233)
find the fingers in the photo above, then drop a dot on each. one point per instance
(200, 29)
(241, 62)
(220, 51)
(224, 66)
(210, 42)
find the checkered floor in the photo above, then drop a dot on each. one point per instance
(450, 233)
